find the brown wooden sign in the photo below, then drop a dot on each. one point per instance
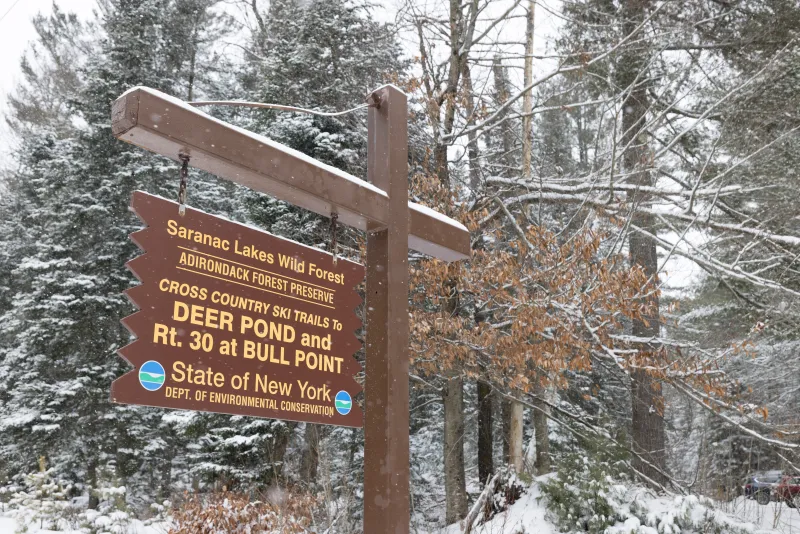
(235, 320)
(165, 125)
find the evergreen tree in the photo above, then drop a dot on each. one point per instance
(71, 194)
(326, 56)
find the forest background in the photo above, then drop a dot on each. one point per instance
(587, 156)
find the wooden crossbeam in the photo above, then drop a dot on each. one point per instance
(168, 126)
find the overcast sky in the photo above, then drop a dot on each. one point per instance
(16, 33)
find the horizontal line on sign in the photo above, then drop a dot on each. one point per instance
(256, 287)
(256, 268)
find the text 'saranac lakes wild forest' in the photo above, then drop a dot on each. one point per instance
(621, 353)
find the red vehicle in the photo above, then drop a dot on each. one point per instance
(761, 486)
(788, 490)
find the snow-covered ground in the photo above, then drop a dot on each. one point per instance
(526, 516)
(529, 516)
(9, 525)
(775, 516)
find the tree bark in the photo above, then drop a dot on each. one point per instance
(538, 418)
(454, 476)
(454, 479)
(527, 98)
(540, 434)
(261, 35)
(485, 414)
(91, 479)
(512, 412)
(310, 460)
(472, 137)
(485, 439)
(442, 112)
(165, 490)
(506, 417)
(507, 135)
(647, 424)
(193, 59)
(276, 451)
(515, 430)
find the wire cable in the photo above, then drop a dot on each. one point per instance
(9, 10)
(244, 104)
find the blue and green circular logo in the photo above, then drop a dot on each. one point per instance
(151, 375)
(344, 403)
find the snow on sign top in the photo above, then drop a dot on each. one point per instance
(168, 126)
(436, 215)
(260, 138)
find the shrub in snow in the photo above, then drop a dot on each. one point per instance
(105, 521)
(508, 491)
(159, 512)
(644, 513)
(280, 512)
(38, 500)
(580, 496)
(111, 516)
(593, 494)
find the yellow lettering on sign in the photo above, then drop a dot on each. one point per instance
(187, 373)
(323, 274)
(321, 362)
(173, 228)
(273, 387)
(267, 330)
(182, 289)
(203, 316)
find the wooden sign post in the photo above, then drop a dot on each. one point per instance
(170, 127)
(386, 455)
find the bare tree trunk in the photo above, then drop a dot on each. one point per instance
(455, 479)
(485, 419)
(506, 417)
(527, 98)
(261, 35)
(506, 132)
(538, 417)
(91, 479)
(485, 439)
(193, 60)
(485, 415)
(583, 138)
(515, 431)
(540, 434)
(472, 137)
(512, 434)
(513, 412)
(647, 423)
(276, 451)
(165, 489)
(310, 460)
(455, 485)
(442, 111)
